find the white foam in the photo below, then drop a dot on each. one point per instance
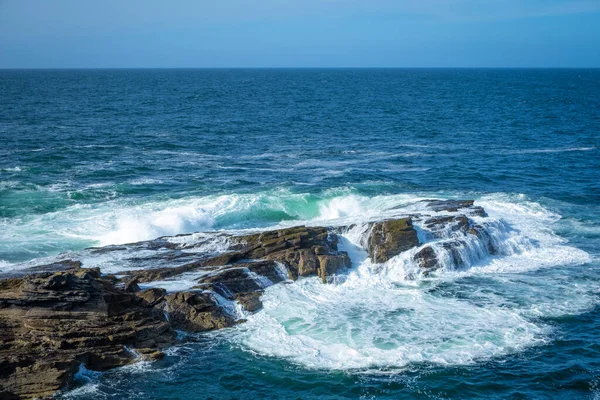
(144, 223)
(89, 388)
(182, 282)
(389, 316)
(231, 308)
(13, 169)
(116, 261)
(4, 185)
(145, 181)
(359, 325)
(282, 271)
(202, 242)
(560, 150)
(261, 281)
(119, 221)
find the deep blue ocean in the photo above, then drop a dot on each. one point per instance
(98, 157)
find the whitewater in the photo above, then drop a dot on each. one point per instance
(377, 317)
(94, 164)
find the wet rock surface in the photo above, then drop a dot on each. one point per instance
(53, 322)
(195, 311)
(297, 249)
(466, 206)
(458, 229)
(390, 238)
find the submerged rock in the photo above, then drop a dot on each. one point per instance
(390, 238)
(453, 223)
(480, 232)
(455, 205)
(62, 265)
(229, 282)
(426, 259)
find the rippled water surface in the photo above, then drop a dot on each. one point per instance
(99, 157)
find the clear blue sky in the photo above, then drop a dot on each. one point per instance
(299, 33)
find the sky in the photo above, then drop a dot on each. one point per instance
(298, 33)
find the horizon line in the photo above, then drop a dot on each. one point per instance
(258, 68)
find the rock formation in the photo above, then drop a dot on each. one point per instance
(58, 317)
(390, 238)
(51, 323)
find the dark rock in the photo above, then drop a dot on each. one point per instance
(131, 286)
(290, 246)
(298, 248)
(51, 323)
(157, 274)
(390, 238)
(455, 205)
(250, 301)
(448, 205)
(151, 296)
(195, 311)
(454, 222)
(320, 250)
(427, 259)
(229, 282)
(224, 259)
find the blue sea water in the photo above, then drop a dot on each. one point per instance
(98, 157)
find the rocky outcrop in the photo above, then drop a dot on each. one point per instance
(466, 206)
(438, 225)
(299, 249)
(195, 311)
(427, 259)
(304, 251)
(56, 317)
(390, 238)
(480, 232)
(457, 229)
(51, 323)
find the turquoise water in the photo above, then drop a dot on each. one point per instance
(98, 157)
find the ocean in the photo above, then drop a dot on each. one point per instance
(99, 157)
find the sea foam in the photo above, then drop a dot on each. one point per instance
(382, 316)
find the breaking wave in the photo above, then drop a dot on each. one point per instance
(482, 302)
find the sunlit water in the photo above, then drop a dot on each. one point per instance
(94, 158)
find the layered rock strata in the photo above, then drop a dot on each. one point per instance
(58, 317)
(51, 323)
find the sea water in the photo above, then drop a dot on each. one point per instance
(101, 157)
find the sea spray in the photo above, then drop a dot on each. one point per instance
(390, 316)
